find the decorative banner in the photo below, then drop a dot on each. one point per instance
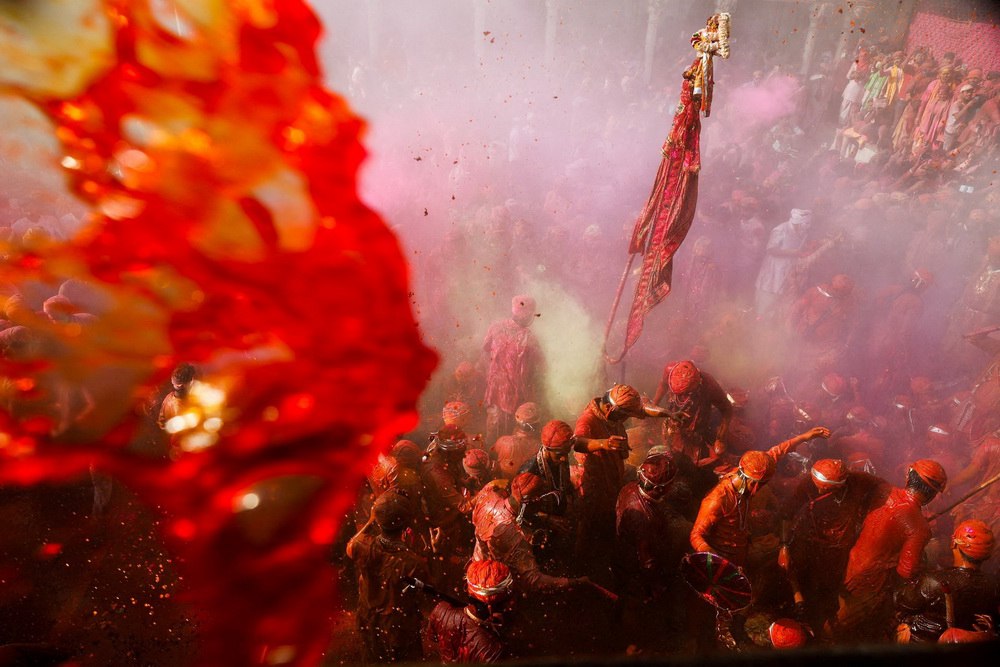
(226, 233)
(977, 44)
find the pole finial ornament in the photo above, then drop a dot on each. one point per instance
(710, 41)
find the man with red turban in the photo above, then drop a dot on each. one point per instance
(501, 532)
(822, 521)
(722, 525)
(512, 451)
(652, 537)
(474, 633)
(689, 395)
(602, 440)
(824, 318)
(889, 548)
(923, 602)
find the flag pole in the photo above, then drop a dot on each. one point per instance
(669, 211)
(614, 311)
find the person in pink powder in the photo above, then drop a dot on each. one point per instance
(514, 363)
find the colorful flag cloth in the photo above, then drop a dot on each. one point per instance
(667, 216)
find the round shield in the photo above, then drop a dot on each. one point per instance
(718, 581)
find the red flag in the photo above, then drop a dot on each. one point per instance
(667, 216)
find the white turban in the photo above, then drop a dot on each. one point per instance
(800, 216)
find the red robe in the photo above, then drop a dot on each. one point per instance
(892, 539)
(514, 362)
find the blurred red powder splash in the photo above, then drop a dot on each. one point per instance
(227, 232)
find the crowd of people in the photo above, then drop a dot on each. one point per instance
(829, 389)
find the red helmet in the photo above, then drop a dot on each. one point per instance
(526, 487)
(488, 581)
(683, 377)
(757, 466)
(974, 539)
(557, 435)
(787, 633)
(828, 474)
(625, 398)
(931, 473)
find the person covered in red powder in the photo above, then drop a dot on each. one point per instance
(474, 633)
(889, 548)
(652, 537)
(824, 318)
(444, 478)
(923, 604)
(689, 395)
(514, 363)
(822, 520)
(893, 334)
(502, 533)
(551, 464)
(512, 451)
(602, 441)
(722, 525)
(388, 620)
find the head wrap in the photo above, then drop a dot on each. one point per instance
(932, 474)
(477, 463)
(922, 278)
(683, 377)
(406, 453)
(827, 473)
(526, 487)
(488, 580)
(757, 466)
(626, 398)
(557, 435)
(860, 414)
(920, 384)
(834, 384)
(787, 633)
(841, 285)
(464, 371)
(527, 415)
(974, 539)
(455, 413)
